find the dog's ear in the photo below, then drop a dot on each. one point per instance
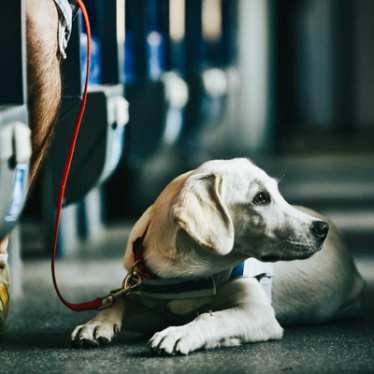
(137, 231)
(201, 213)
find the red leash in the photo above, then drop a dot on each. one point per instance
(134, 277)
(93, 304)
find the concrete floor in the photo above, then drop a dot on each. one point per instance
(37, 337)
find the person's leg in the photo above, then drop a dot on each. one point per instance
(44, 81)
(44, 92)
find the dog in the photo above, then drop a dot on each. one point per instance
(206, 222)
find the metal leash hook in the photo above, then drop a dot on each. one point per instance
(129, 284)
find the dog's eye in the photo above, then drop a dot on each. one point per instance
(262, 198)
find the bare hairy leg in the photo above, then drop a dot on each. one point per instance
(44, 80)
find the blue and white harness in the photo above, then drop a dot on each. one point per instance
(179, 288)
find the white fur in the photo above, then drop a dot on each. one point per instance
(204, 222)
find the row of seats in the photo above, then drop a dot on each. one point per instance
(159, 75)
(15, 142)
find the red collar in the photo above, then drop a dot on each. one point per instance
(138, 250)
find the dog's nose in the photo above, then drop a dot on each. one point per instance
(320, 229)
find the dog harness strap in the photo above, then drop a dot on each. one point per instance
(179, 288)
(173, 289)
(238, 271)
(252, 268)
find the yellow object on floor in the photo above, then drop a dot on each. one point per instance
(4, 294)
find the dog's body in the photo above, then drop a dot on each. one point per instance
(206, 222)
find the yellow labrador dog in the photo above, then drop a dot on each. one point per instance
(215, 241)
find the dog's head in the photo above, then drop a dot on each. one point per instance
(232, 206)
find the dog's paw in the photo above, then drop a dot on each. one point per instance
(176, 340)
(94, 333)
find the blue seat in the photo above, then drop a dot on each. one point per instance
(156, 92)
(209, 52)
(101, 139)
(15, 153)
(15, 143)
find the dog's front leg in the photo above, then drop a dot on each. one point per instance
(101, 329)
(247, 317)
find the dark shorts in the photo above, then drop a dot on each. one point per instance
(66, 11)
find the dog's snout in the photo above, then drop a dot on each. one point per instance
(320, 229)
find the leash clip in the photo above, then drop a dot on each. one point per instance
(129, 284)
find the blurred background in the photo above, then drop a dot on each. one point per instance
(286, 83)
(173, 83)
